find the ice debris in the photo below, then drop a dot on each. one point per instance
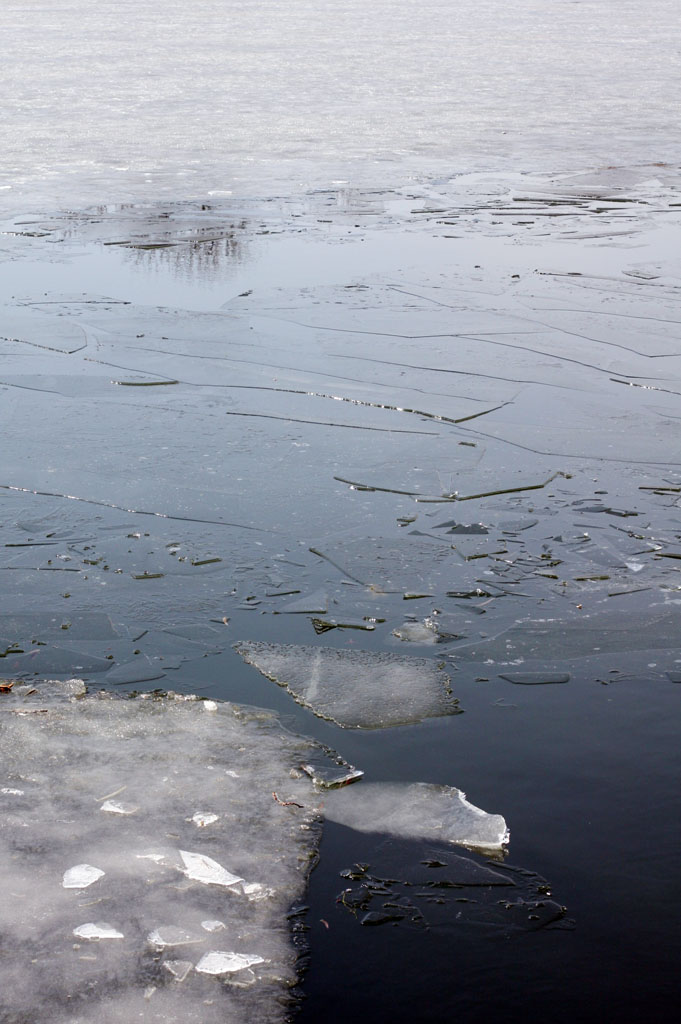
(416, 811)
(355, 689)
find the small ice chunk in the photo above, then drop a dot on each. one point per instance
(204, 869)
(202, 819)
(209, 705)
(7, 791)
(213, 926)
(178, 968)
(116, 807)
(99, 930)
(170, 935)
(219, 962)
(416, 811)
(80, 876)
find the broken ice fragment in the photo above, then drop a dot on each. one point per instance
(201, 820)
(256, 891)
(218, 962)
(204, 869)
(178, 968)
(416, 811)
(213, 926)
(170, 935)
(115, 807)
(355, 689)
(8, 791)
(94, 932)
(80, 876)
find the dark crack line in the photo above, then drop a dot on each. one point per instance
(474, 373)
(386, 334)
(645, 387)
(131, 511)
(607, 312)
(323, 423)
(607, 344)
(25, 387)
(294, 369)
(571, 455)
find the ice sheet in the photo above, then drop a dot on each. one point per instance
(98, 906)
(355, 689)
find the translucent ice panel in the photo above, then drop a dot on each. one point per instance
(356, 689)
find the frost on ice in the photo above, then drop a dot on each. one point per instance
(356, 689)
(73, 954)
(416, 811)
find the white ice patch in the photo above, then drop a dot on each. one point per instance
(204, 869)
(11, 792)
(81, 875)
(94, 932)
(201, 820)
(219, 962)
(416, 811)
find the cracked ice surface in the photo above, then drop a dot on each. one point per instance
(156, 884)
(355, 689)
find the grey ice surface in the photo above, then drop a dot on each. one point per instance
(97, 907)
(355, 689)
(416, 810)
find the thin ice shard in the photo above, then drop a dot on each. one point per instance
(355, 689)
(416, 811)
(201, 868)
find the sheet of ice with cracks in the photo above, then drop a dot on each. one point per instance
(147, 869)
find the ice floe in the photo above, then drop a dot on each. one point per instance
(416, 811)
(355, 689)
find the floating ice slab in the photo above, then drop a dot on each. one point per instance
(355, 689)
(158, 877)
(416, 811)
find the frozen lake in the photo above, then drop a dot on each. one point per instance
(340, 361)
(136, 99)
